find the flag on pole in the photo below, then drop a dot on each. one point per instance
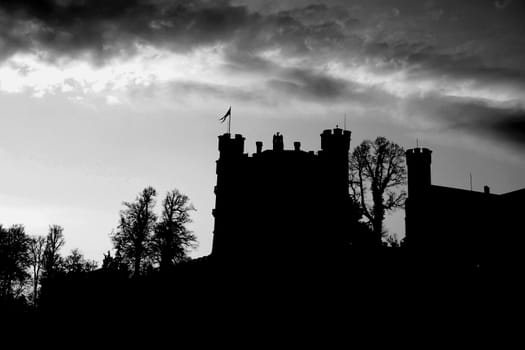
(228, 114)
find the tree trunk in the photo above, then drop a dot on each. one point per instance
(35, 287)
(377, 227)
(137, 262)
(379, 215)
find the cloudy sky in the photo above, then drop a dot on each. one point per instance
(100, 98)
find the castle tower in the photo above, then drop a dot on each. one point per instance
(419, 174)
(231, 152)
(335, 145)
(336, 140)
(333, 172)
(419, 184)
(231, 147)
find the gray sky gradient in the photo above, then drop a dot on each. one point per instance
(102, 98)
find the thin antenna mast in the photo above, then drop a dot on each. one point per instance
(471, 181)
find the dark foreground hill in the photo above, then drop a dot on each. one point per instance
(388, 281)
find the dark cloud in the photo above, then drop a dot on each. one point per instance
(242, 61)
(103, 28)
(421, 61)
(318, 88)
(108, 27)
(470, 38)
(323, 88)
(479, 42)
(214, 90)
(307, 83)
(502, 4)
(316, 84)
(504, 124)
(512, 125)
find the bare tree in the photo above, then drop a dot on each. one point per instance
(377, 177)
(132, 239)
(14, 260)
(36, 257)
(172, 239)
(54, 242)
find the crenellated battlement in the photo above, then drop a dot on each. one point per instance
(419, 152)
(231, 146)
(335, 140)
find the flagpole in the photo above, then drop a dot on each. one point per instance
(229, 121)
(228, 116)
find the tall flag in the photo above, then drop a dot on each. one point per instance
(228, 116)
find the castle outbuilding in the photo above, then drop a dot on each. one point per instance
(478, 228)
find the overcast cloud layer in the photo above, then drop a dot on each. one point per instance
(434, 65)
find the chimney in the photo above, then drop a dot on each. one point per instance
(297, 146)
(278, 144)
(486, 189)
(259, 146)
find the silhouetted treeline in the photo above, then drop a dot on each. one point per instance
(29, 264)
(147, 245)
(34, 275)
(145, 241)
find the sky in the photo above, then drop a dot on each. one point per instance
(101, 98)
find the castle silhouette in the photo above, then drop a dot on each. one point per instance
(287, 202)
(284, 220)
(285, 243)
